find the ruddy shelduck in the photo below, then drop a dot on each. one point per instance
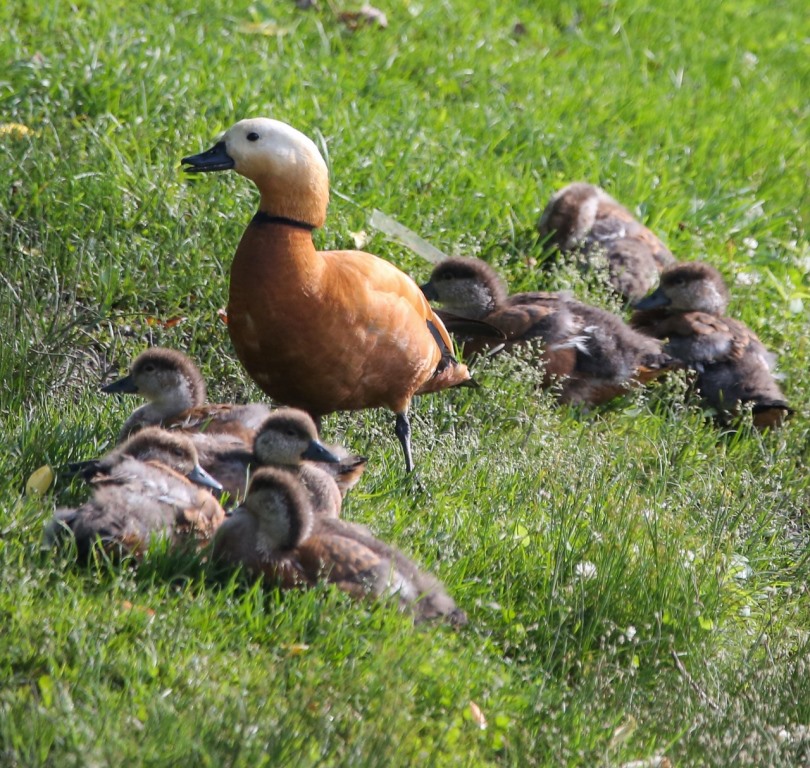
(732, 365)
(586, 218)
(274, 534)
(593, 354)
(146, 488)
(323, 331)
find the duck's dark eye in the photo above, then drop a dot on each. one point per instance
(253, 136)
(149, 368)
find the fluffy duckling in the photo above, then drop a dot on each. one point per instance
(143, 489)
(288, 439)
(175, 392)
(732, 365)
(583, 216)
(275, 534)
(321, 331)
(594, 352)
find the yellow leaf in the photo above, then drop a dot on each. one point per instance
(15, 130)
(40, 480)
(266, 28)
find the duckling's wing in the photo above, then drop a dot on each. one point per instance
(339, 559)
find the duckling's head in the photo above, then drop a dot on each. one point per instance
(166, 378)
(278, 502)
(174, 449)
(289, 436)
(284, 164)
(692, 286)
(466, 287)
(570, 214)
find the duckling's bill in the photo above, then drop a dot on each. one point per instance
(125, 386)
(199, 476)
(317, 451)
(655, 300)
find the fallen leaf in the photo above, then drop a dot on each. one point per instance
(128, 606)
(266, 28)
(296, 649)
(360, 239)
(15, 130)
(478, 716)
(368, 16)
(170, 323)
(40, 481)
(222, 314)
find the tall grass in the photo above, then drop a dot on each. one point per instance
(635, 577)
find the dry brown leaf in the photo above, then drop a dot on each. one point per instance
(478, 716)
(222, 314)
(170, 323)
(128, 606)
(368, 16)
(296, 649)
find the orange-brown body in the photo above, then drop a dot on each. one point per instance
(331, 330)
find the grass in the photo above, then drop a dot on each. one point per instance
(636, 579)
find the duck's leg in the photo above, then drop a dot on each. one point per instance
(403, 432)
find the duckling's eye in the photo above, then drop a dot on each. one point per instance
(290, 433)
(253, 136)
(149, 368)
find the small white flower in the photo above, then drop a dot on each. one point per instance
(750, 60)
(738, 567)
(586, 570)
(747, 278)
(751, 244)
(745, 612)
(631, 633)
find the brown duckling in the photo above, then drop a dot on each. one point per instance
(144, 489)
(288, 439)
(275, 534)
(732, 365)
(584, 217)
(323, 331)
(175, 392)
(595, 353)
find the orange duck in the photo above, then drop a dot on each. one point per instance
(584, 217)
(144, 489)
(595, 353)
(274, 534)
(732, 365)
(323, 331)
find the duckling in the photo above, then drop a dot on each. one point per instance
(733, 367)
(275, 534)
(321, 331)
(583, 216)
(175, 392)
(142, 490)
(288, 439)
(594, 352)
